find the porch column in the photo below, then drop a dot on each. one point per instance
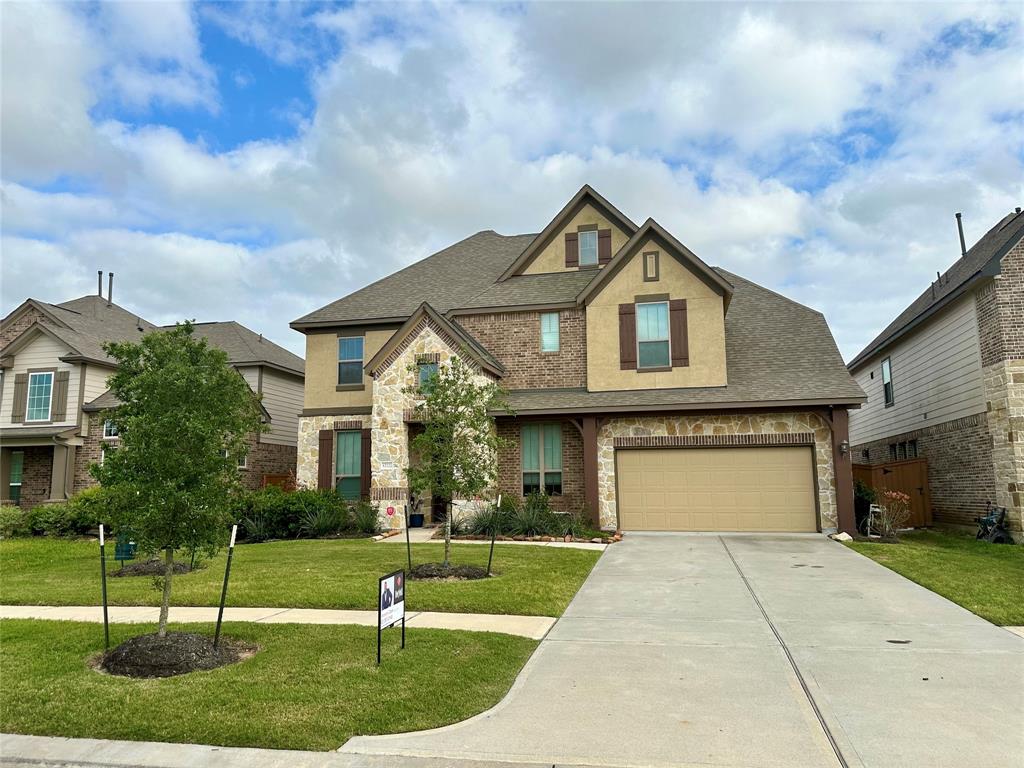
(842, 466)
(5, 473)
(62, 471)
(590, 493)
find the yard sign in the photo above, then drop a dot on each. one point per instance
(390, 605)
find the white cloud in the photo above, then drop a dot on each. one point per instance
(435, 121)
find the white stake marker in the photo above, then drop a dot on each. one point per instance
(101, 534)
(234, 530)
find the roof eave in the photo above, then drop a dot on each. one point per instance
(840, 402)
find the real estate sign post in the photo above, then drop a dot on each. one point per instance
(390, 605)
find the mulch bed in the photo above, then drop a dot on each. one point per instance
(177, 653)
(440, 572)
(474, 537)
(154, 567)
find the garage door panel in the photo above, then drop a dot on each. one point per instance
(717, 489)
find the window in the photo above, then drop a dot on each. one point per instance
(901, 451)
(892, 451)
(652, 335)
(549, 332)
(243, 461)
(588, 248)
(109, 430)
(348, 464)
(40, 391)
(651, 266)
(887, 382)
(912, 449)
(427, 374)
(17, 468)
(350, 360)
(542, 459)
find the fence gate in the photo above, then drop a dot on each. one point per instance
(910, 476)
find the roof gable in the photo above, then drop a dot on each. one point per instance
(586, 196)
(454, 335)
(27, 336)
(651, 230)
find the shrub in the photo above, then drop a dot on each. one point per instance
(321, 520)
(578, 526)
(894, 513)
(77, 516)
(534, 518)
(491, 519)
(12, 521)
(365, 517)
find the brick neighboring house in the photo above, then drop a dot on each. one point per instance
(648, 389)
(945, 381)
(53, 391)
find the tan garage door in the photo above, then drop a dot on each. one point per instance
(716, 489)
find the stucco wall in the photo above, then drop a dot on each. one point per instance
(705, 327)
(552, 257)
(723, 424)
(322, 368)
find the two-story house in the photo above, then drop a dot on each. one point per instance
(945, 382)
(647, 388)
(53, 392)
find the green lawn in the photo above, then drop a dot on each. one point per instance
(986, 579)
(309, 687)
(538, 581)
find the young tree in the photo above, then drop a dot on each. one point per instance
(458, 447)
(182, 426)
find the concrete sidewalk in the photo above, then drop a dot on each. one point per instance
(534, 627)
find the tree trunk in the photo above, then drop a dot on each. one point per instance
(448, 535)
(165, 604)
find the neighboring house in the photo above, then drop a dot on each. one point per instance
(945, 382)
(648, 389)
(53, 391)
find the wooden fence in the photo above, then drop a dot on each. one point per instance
(909, 476)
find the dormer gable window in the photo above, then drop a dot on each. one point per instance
(588, 248)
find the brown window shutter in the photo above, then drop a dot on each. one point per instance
(572, 249)
(677, 330)
(627, 337)
(325, 460)
(604, 246)
(59, 408)
(365, 471)
(20, 398)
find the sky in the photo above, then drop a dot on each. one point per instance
(255, 161)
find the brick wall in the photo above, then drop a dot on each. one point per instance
(88, 453)
(35, 475)
(1000, 309)
(960, 474)
(510, 479)
(514, 339)
(14, 328)
(266, 459)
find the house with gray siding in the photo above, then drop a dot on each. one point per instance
(53, 394)
(945, 382)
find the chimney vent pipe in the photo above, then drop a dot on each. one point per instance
(99, 283)
(110, 289)
(960, 229)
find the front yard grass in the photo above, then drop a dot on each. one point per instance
(986, 579)
(310, 687)
(536, 581)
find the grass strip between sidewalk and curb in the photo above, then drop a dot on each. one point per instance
(309, 687)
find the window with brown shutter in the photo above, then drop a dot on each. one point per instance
(604, 246)
(60, 396)
(677, 323)
(572, 249)
(20, 398)
(627, 337)
(325, 460)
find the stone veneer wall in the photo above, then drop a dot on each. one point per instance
(514, 339)
(308, 451)
(510, 462)
(716, 424)
(14, 328)
(959, 455)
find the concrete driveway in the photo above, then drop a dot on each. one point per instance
(751, 650)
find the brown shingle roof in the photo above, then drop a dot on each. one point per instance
(977, 262)
(777, 351)
(447, 279)
(244, 346)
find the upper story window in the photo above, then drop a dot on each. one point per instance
(426, 372)
(109, 430)
(653, 350)
(549, 332)
(887, 382)
(350, 360)
(588, 248)
(40, 396)
(542, 459)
